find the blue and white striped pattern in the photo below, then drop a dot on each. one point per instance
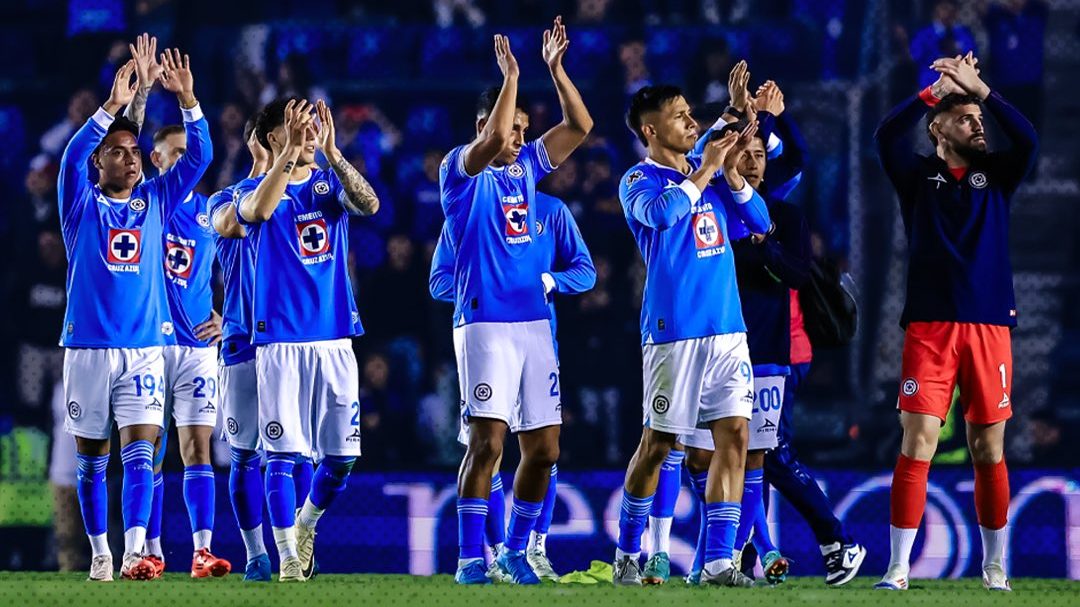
(91, 465)
(554, 470)
(138, 454)
(674, 459)
(282, 458)
(198, 471)
(698, 481)
(723, 521)
(523, 517)
(636, 506)
(527, 509)
(472, 505)
(723, 511)
(244, 458)
(632, 516)
(159, 480)
(496, 483)
(754, 477)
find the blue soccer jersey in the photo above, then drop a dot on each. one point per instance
(237, 260)
(682, 233)
(561, 246)
(491, 223)
(115, 248)
(301, 290)
(189, 267)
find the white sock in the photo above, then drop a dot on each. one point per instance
(619, 554)
(153, 546)
(716, 566)
(253, 541)
(100, 544)
(537, 542)
(201, 539)
(993, 547)
(660, 534)
(309, 514)
(285, 538)
(135, 540)
(900, 543)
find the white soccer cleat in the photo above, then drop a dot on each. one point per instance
(291, 570)
(896, 578)
(541, 565)
(101, 569)
(994, 578)
(305, 549)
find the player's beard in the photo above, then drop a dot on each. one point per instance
(970, 152)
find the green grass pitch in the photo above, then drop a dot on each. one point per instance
(69, 590)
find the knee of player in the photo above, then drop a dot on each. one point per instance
(986, 451)
(339, 466)
(697, 460)
(655, 446)
(545, 455)
(484, 449)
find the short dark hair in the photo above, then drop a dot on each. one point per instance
(648, 99)
(165, 131)
(249, 127)
(947, 103)
(485, 104)
(737, 127)
(270, 117)
(120, 125)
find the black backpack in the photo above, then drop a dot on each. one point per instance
(830, 312)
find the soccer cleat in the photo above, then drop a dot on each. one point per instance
(258, 569)
(472, 573)
(730, 577)
(137, 567)
(994, 578)
(775, 566)
(895, 579)
(514, 564)
(657, 569)
(159, 564)
(496, 575)
(305, 549)
(101, 569)
(626, 572)
(842, 562)
(693, 578)
(291, 570)
(204, 564)
(541, 565)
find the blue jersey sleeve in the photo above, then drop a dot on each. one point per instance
(454, 182)
(749, 208)
(175, 184)
(441, 279)
(73, 184)
(535, 155)
(573, 270)
(653, 204)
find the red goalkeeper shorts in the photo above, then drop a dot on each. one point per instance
(938, 356)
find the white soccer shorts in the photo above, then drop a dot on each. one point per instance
(309, 398)
(692, 382)
(106, 385)
(240, 404)
(191, 381)
(765, 416)
(508, 371)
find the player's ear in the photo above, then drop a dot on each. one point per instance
(155, 158)
(648, 130)
(480, 124)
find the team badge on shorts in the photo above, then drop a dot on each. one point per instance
(707, 231)
(274, 430)
(910, 387)
(178, 259)
(314, 237)
(232, 426)
(661, 404)
(74, 410)
(125, 246)
(482, 392)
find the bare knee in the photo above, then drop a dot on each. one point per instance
(654, 448)
(986, 448)
(484, 450)
(697, 460)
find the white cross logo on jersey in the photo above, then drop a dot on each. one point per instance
(125, 246)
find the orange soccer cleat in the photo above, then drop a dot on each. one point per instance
(137, 567)
(204, 564)
(159, 564)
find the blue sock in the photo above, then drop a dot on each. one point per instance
(762, 538)
(720, 535)
(667, 488)
(153, 526)
(199, 496)
(522, 520)
(93, 492)
(330, 480)
(751, 506)
(632, 516)
(471, 512)
(246, 488)
(280, 490)
(494, 530)
(137, 493)
(697, 481)
(303, 476)
(543, 522)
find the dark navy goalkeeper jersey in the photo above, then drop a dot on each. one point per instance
(957, 230)
(115, 248)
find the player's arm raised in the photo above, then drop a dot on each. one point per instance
(360, 197)
(147, 70)
(177, 78)
(575, 271)
(441, 279)
(749, 206)
(562, 139)
(500, 123)
(259, 206)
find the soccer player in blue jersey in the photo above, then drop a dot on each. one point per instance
(697, 368)
(570, 271)
(960, 305)
(303, 315)
(507, 369)
(114, 363)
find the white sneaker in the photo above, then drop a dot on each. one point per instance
(896, 578)
(291, 570)
(994, 578)
(101, 569)
(305, 549)
(541, 565)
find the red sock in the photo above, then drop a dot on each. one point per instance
(908, 497)
(992, 494)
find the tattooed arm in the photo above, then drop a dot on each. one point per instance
(360, 198)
